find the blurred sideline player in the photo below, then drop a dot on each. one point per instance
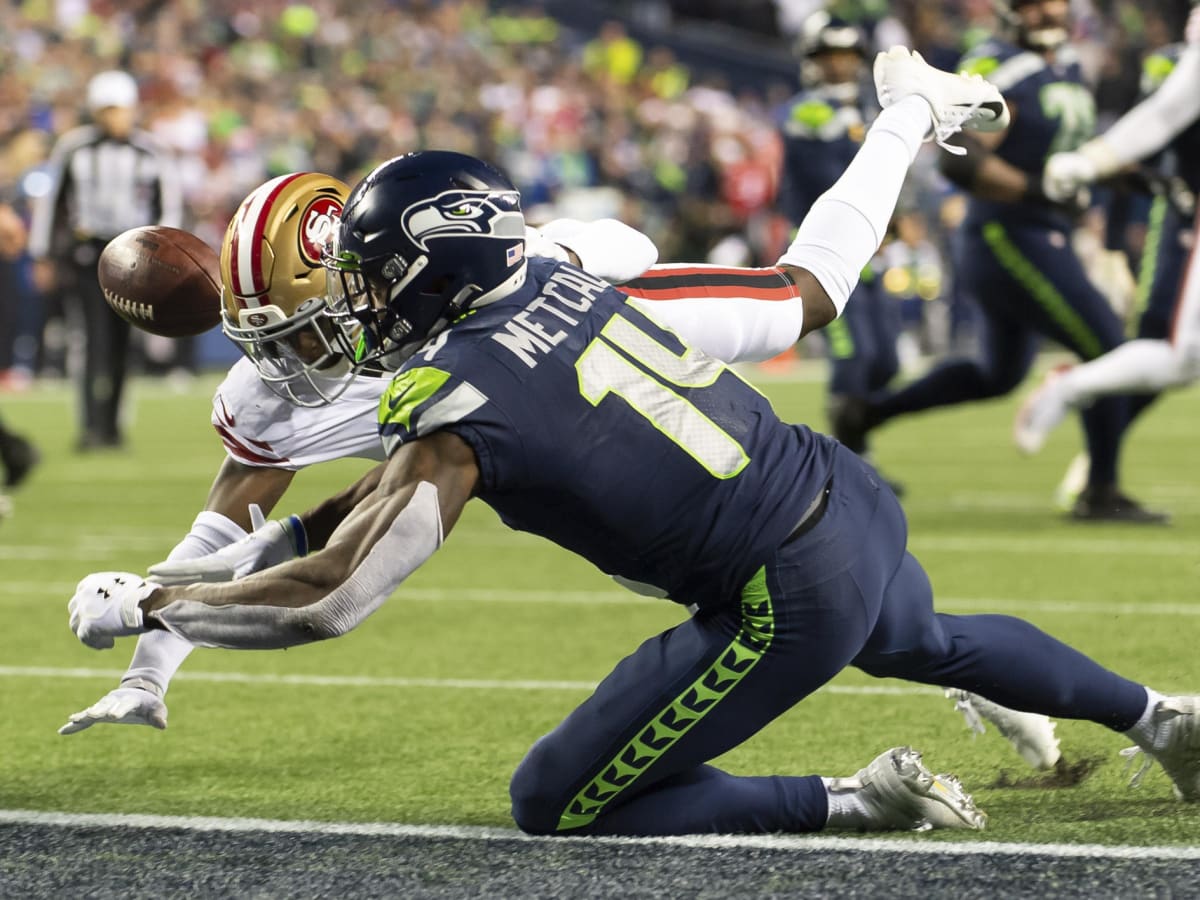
(289, 403)
(1167, 351)
(1016, 257)
(822, 127)
(574, 415)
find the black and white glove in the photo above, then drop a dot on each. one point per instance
(105, 606)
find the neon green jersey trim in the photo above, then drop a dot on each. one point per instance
(408, 390)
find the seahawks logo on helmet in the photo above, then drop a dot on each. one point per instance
(464, 213)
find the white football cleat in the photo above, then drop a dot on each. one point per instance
(958, 101)
(899, 793)
(1042, 412)
(1176, 746)
(1031, 734)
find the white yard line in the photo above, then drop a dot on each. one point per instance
(23, 590)
(796, 843)
(371, 681)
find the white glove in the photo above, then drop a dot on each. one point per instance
(1192, 32)
(130, 704)
(1065, 174)
(275, 542)
(105, 606)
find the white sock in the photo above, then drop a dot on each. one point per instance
(846, 809)
(1145, 731)
(1141, 366)
(846, 225)
(157, 658)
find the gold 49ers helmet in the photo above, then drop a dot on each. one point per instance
(273, 297)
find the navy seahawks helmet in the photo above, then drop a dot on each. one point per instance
(423, 238)
(823, 32)
(1047, 36)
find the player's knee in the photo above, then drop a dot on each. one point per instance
(537, 801)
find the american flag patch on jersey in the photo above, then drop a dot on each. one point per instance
(515, 252)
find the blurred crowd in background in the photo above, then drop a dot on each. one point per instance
(609, 119)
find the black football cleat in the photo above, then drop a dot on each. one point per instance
(1106, 503)
(850, 420)
(18, 457)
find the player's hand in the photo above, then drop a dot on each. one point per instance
(275, 542)
(105, 606)
(127, 705)
(1065, 175)
(1192, 32)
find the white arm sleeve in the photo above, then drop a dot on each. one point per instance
(159, 654)
(846, 225)
(731, 329)
(1154, 122)
(410, 540)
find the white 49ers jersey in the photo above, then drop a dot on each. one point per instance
(259, 428)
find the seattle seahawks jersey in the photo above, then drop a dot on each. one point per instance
(1052, 112)
(821, 134)
(1183, 154)
(602, 431)
(260, 428)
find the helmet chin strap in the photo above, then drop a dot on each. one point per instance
(509, 285)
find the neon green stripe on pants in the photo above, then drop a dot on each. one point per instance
(1027, 275)
(696, 701)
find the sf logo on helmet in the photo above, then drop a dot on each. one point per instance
(464, 213)
(317, 226)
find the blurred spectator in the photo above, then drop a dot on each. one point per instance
(106, 178)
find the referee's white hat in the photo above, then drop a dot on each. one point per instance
(112, 88)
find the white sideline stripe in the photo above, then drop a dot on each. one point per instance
(372, 681)
(64, 589)
(701, 842)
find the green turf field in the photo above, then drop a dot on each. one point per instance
(421, 715)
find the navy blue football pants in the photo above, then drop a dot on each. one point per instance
(631, 760)
(1029, 285)
(862, 342)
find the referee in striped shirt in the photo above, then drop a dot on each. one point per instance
(107, 177)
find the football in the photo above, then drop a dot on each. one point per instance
(163, 280)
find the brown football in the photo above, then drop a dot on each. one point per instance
(163, 280)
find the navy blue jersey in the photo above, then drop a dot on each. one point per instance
(821, 133)
(602, 431)
(1052, 112)
(1182, 156)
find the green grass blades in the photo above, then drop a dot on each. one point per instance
(421, 715)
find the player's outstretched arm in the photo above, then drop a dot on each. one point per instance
(397, 526)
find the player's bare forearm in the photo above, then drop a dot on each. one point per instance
(819, 310)
(238, 485)
(322, 520)
(323, 594)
